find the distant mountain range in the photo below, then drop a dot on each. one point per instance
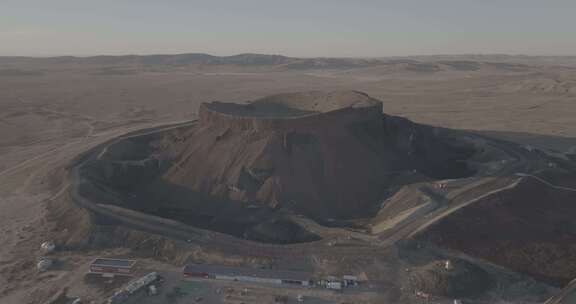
(199, 59)
(419, 63)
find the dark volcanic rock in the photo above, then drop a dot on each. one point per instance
(326, 155)
(321, 154)
(462, 279)
(529, 228)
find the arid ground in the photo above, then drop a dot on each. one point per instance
(53, 110)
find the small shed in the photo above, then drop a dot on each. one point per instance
(112, 266)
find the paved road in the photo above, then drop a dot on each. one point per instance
(546, 182)
(566, 296)
(479, 188)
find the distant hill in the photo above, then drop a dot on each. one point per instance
(503, 58)
(176, 60)
(412, 64)
(168, 60)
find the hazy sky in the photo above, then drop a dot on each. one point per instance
(289, 27)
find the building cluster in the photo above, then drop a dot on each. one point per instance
(243, 274)
(121, 267)
(335, 283)
(133, 287)
(111, 267)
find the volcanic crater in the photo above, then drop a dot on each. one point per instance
(246, 169)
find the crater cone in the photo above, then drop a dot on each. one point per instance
(324, 154)
(244, 169)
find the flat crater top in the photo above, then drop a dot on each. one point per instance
(296, 104)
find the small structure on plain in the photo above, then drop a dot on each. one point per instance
(107, 266)
(244, 274)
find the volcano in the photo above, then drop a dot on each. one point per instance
(320, 154)
(243, 166)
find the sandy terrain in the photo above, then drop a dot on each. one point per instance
(51, 113)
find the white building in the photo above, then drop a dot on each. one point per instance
(245, 274)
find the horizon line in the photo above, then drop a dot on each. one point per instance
(287, 56)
